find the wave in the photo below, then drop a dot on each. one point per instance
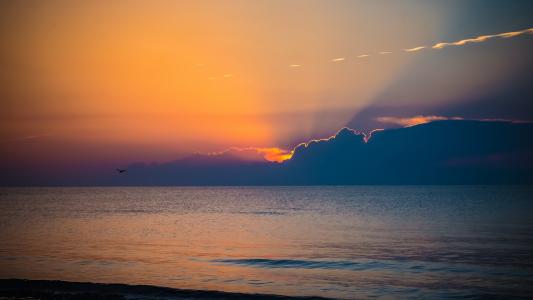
(403, 266)
(307, 264)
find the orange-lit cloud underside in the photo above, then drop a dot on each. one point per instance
(412, 121)
(275, 154)
(272, 154)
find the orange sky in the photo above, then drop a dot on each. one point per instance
(154, 80)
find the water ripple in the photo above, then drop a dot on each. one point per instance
(369, 265)
(306, 264)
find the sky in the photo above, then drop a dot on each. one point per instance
(101, 83)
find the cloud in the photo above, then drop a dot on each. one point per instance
(482, 38)
(463, 42)
(25, 138)
(440, 45)
(338, 133)
(271, 154)
(415, 49)
(339, 59)
(420, 119)
(275, 154)
(411, 121)
(440, 152)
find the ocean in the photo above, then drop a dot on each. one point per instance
(338, 242)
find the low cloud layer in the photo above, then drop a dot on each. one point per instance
(416, 120)
(438, 152)
(257, 154)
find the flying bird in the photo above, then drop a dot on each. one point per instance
(121, 170)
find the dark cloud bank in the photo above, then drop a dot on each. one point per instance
(441, 152)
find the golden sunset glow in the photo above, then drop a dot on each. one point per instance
(276, 154)
(143, 81)
(272, 154)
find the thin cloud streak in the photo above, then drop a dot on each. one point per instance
(416, 120)
(339, 59)
(421, 119)
(440, 45)
(482, 38)
(415, 49)
(25, 138)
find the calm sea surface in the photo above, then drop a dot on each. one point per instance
(342, 242)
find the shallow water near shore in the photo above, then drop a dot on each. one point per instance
(339, 242)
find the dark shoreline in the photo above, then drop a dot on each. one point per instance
(65, 290)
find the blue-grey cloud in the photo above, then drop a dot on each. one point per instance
(439, 152)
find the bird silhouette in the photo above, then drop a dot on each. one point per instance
(121, 170)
